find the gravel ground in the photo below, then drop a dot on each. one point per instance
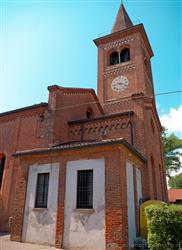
(7, 244)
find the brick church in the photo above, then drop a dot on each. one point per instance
(74, 170)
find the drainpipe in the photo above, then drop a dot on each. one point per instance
(82, 131)
(131, 130)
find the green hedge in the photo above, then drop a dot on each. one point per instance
(164, 227)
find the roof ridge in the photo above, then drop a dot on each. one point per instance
(42, 104)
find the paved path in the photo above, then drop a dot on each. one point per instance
(7, 244)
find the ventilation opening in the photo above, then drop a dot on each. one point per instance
(89, 113)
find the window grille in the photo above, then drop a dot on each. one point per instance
(42, 190)
(85, 189)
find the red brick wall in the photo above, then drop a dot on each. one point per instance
(70, 105)
(19, 202)
(18, 131)
(147, 141)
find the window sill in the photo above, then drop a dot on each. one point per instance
(118, 64)
(39, 209)
(84, 211)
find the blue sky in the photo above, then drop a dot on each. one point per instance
(50, 42)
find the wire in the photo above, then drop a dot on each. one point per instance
(169, 93)
(90, 103)
(94, 102)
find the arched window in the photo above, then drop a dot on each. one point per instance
(89, 115)
(125, 55)
(2, 164)
(114, 58)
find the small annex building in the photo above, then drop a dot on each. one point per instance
(74, 171)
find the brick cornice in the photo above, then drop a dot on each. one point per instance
(101, 117)
(123, 33)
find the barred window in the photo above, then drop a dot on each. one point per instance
(85, 189)
(42, 190)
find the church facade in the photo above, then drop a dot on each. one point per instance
(74, 171)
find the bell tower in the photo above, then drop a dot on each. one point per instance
(125, 84)
(124, 67)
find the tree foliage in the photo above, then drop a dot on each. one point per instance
(176, 181)
(172, 146)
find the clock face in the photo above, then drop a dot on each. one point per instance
(119, 83)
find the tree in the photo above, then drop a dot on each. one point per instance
(172, 146)
(176, 181)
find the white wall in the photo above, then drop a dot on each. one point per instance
(131, 204)
(40, 224)
(139, 184)
(85, 229)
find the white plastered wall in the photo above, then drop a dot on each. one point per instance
(139, 184)
(85, 229)
(130, 204)
(40, 224)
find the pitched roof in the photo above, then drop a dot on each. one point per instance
(122, 20)
(174, 194)
(82, 144)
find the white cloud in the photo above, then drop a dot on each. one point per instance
(173, 120)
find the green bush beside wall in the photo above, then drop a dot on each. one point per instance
(164, 227)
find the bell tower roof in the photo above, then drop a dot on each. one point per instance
(122, 20)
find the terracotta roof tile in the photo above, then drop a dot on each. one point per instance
(82, 144)
(174, 194)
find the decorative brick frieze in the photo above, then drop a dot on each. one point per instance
(118, 42)
(107, 128)
(119, 70)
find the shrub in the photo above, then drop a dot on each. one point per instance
(164, 227)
